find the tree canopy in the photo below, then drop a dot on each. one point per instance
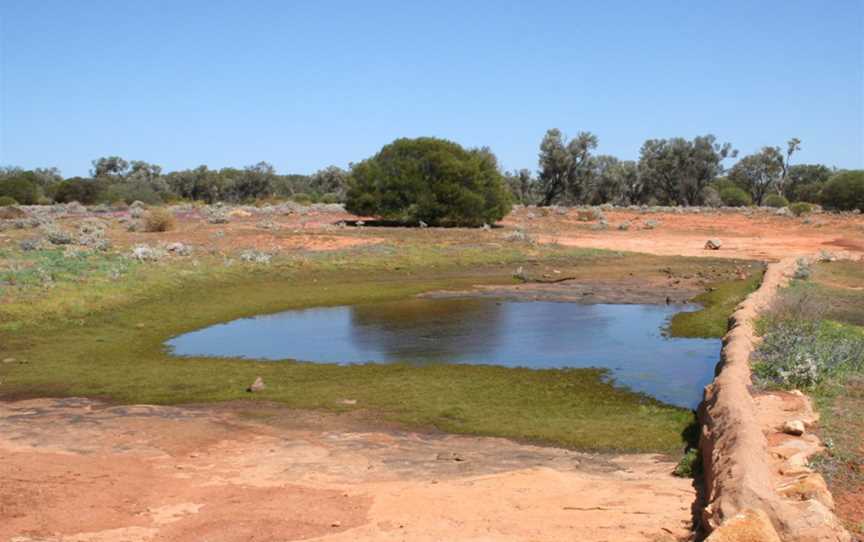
(430, 180)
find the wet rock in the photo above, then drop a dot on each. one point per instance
(713, 244)
(794, 427)
(256, 386)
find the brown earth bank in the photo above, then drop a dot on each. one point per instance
(80, 470)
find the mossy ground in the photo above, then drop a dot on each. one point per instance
(99, 329)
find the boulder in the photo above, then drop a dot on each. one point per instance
(713, 244)
(794, 427)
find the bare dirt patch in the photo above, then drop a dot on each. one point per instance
(759, 235)
(77, 469)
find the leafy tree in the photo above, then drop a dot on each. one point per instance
(792, 146)
(84, 191)
(676, 171)
(565, 167)
(109, 166)
(615, 181)
(21, 187)
(289, 185)
(845, 191)
(199, 184)
(522, 186)
(251, 182)
(431, 180)
(808, 175)
(331, 180)
(759, 173)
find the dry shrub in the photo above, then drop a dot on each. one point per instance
(157, 220)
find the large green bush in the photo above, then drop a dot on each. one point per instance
(431, 180)
(733, 196)
(844, 191)
(775, 200)
(801, 208)
(21, 189)
(6, 201)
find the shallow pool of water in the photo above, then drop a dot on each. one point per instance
(626, 339)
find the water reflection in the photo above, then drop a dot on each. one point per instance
(627, 339)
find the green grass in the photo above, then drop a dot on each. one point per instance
(718, 305)
(104, 336)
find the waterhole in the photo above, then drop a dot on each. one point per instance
(627, 340)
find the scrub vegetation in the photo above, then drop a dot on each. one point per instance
(814, 340)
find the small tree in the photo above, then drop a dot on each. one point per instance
(565, 167)
(431, 180)
(759, 173)
(676, 171)
(331, 180)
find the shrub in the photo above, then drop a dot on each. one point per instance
(21, 189)
(430, 180)
(800, 208)
(302, 198)
(802, 353)
(131, 192)
(158, 220)
(733, 196)
(6, 201)
(690, 466)
(810, 192)
(330, 198)
(775, 200)
(844, 191)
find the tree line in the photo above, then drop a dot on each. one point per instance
(675, 171)
(113, 179)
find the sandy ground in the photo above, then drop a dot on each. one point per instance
(78, 470)
(761, 235)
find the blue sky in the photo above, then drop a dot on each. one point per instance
(307, 84)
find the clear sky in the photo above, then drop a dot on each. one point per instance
(306, 84)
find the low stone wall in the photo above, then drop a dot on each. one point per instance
(756, 490)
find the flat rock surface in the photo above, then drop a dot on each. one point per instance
(80, 470)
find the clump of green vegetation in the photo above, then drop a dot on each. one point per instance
(158, 220)
(6, 201)
(429, 180)
(734, 196)
(690, 466)
(775, 201)
(801, 208)
(718, 304)
(844, 191)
